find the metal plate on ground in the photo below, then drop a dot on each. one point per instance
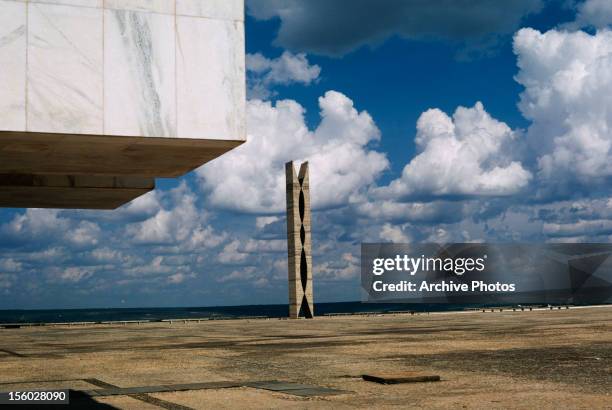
(402, 377)
(122, 391)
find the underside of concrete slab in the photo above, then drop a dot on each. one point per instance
(70, 154)
(50, 170)
(70, 191)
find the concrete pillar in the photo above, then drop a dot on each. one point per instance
(301, 302)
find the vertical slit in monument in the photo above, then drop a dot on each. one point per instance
(303, 270)
(302, 204)
(305, 308)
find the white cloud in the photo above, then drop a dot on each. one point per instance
(231, 253)
(251, 178)
(181, 223)
(594, 13)
(261, 282)
(395, 234)
(439, 235)
(180, 277)
(36, 223)
(10, 265)
(347, 267)
(265, 246)
(52, 254)
(568, 97)
(106, 254)
(244, 273)
(463, 155)
(74, 274)
(419, 212)
(248, 276)
(263, 221)
(288, 68)
(582, 227)
(38, 226)
(86, 233)
(154, 268)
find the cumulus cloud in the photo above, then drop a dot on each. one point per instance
(338, 27)
(575, 210)
(344, 268)
(181, 223)
(86, 233)
(35, 223)
(264, 73)
(576, 219)
(580, 228)
(263, 221)
(568, 98)
(594, 13)
(242, 274)
(180, 277)
(238, 251)
(42, 226)
(251, 178)
(155, 267)
(265, 246)
(10, 265)
(73, 274)
(462, 155)
(415, 211)
(395, 234)
(232, 254)
(106, 254)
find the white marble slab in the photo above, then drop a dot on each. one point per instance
(79, 3)
(64, 69)
(210, 78)
(156, 6)
(12, 65)
(139, 74)
(215, 9)
(70, 66)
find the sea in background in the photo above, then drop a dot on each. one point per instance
(218, 312)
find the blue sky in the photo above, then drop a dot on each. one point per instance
(423, 121)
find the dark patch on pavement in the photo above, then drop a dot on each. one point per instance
(587, 367)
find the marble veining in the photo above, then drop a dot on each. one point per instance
(103, 67)
(156, 6)
(12, 65)
(216, 90)
(64, 71)
(139, 74)
(79, 3)
(215, 9)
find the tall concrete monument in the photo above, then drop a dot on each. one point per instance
(299, 244)
(100, 97)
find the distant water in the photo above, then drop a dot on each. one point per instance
(220, 312)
